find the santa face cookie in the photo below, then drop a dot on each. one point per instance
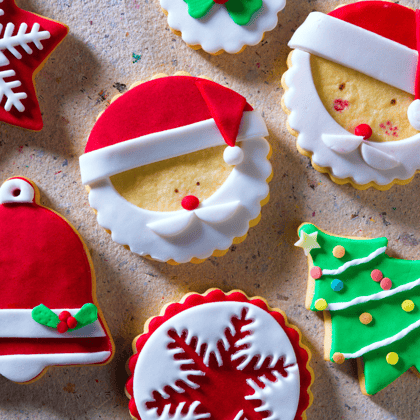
(48, 310)
(26, 41)
(219, 356)
(353, 89)
(370, 303)
(221, 25)
(177, 168)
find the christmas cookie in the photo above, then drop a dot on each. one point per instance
(177, 168)
(370, 303)
(26, 41)
(48, 310)
(353, 90)
(219, 356)
(222, 25)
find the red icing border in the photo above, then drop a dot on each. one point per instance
(196, 299)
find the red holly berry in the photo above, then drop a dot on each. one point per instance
(64, 315)
(220, 1)
(71, 322)
(363, 130)
(190, 202)
(62, 327)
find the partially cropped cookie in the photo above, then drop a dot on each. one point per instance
(219, 356)
(178, 168)
(221, 25)
(353, 92)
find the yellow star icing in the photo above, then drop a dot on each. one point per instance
(308, 242)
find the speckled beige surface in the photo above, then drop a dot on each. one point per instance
(91, 65)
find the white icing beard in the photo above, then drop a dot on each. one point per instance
(381, 163)
(217, 31)
(156, 367)
(182, 235)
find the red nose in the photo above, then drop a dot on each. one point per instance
(190, 202)
(363, 130)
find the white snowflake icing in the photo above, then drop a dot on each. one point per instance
(9, 42)
(1, 10)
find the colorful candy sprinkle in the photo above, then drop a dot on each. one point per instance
(316, 273)
(377, 275)
(321, 304)
(337, 285)
(392, 358)
(365, 318)
(339, 251)
(386, 283)
(338, 358)
(408, 305)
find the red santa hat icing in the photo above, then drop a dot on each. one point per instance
(377, 38)
(42, 262)
(165, 118)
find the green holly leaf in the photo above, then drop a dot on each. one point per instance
(45, 316)
(199, 8)
(241, 11)
(88, 314)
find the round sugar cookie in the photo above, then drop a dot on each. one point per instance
(353, 90)
(48, 309)
(218, 25)
(219, 356)
(178, 168)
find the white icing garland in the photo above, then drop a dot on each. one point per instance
(354, 263)
(156, 367)
(217, 31)
(338, 306)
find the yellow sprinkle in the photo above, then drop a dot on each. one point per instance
(392, 358)
(339, 251)
(408, 305)
(321, 304)
(365, 318)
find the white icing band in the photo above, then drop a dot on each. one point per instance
(156, 367)
(353, 263)
(358, 49)
(25, 367)
(384, 342)
(120, 157)
(377, 296)
(217, 31)
(313, 125)
(18, 323)
(16, 190)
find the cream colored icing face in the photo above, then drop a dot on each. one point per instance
(352, 98)
(161, 186)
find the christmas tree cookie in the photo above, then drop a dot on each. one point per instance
(353, 93)
(222, 25)
(370, 302)
(48, 311)
(219, 356)
(177, 168)
(26, 41)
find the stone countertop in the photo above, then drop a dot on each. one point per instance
(112, 44)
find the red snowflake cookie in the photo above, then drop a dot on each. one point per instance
(219, 356)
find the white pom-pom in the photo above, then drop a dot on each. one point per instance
(413, 114)
(233, 155)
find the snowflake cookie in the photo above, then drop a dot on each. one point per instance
(222, 25)
(178, 168)
(219, 356)
(49, 315)
(353, 93)
(26, 41)
(370, 303)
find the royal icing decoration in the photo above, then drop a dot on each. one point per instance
(26, 41)
(222, 26)
(383, 51)
(48, 315)
(210, 115)
(243, 363)
(378, 311)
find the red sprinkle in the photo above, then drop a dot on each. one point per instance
(363, 130)
(71, 322)
(316, 273)
(377, 275)
(64, 315)
(220, 1)
(386, 283)
(190, 202)
(340, 105)
(62, 327)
